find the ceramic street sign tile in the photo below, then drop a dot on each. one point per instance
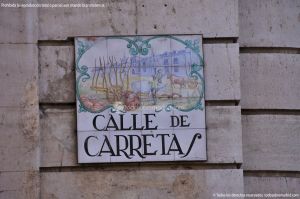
(140, 98)
(160, 143)
(91, 138)
(189, 150)
(127, 143)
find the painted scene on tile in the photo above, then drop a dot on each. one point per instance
(149, 83)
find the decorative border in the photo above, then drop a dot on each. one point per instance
(139, 46)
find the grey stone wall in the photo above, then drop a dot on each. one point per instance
(19, 104)
(270, 90)
(252, 74)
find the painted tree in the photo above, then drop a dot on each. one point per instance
(112, 77)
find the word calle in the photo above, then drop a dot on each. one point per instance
(112, 124)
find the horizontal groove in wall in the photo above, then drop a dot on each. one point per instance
(70, 41)
(270, 112)
(222, 103)
(141, 166)
(220, 40)
(282, 50)
(267, 173)
(70, 105)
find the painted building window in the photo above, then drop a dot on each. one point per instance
(166, 61)
(175, 61)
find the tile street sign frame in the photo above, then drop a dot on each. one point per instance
(140, 99)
